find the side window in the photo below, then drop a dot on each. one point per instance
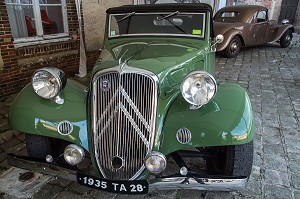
(262, 16)
(229, 14)
(36, 19)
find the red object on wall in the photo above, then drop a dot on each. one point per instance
(31, 31)
(49, 26)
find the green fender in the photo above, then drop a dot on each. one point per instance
(227, 120)
(35, 115)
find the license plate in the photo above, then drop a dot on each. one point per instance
(116, 186)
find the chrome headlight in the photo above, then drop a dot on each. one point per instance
(155, 162)
(198, 88)
(48, 82)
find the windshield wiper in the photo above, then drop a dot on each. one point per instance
(127, 16)
(167, 16)
(138, 51)
(171, 22)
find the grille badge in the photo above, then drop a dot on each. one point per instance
(105, 85)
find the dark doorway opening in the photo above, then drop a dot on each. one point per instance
(288, 10)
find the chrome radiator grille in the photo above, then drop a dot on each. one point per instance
(124, 111)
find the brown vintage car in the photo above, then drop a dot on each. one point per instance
(248, 25)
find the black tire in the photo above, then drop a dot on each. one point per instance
(286, 39)
(233, 48)
(38, 146)
(231, 160)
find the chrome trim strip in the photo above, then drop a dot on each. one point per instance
(133, 106)
(160, 34)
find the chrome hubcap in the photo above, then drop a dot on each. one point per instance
(234, 46)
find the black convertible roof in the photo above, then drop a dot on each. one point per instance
(181, 7)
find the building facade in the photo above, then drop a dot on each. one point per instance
(40, 33)
(36, 34)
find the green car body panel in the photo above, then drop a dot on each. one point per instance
(226, 120)
(33, 114)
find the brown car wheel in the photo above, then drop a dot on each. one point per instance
(233, 48)
(286, 39)
(231, 160)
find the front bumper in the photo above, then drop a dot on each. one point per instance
(165, 183)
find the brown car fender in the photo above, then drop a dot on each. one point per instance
(227, 38)
(279, 32)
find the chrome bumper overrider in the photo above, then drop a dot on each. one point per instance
(167, 183)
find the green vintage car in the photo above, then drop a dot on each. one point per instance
(152, 100)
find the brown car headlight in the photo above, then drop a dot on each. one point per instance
(48, 82)
(198, 88)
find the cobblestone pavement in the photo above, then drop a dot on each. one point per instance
(272, 77)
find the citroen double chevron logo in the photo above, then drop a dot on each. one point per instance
(110, 113)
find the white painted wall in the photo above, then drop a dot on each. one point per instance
(94, 13)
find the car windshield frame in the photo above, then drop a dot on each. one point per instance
(163, 16)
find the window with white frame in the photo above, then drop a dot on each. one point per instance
(37, 19)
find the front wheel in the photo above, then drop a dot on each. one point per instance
(231, 160)
(286, 39)
(233, 48)
(38, 146)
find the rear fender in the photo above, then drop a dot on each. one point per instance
(35, 115)
(227, 120)
(279, 32)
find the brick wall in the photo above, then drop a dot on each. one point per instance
(9, 75)
(20, 63)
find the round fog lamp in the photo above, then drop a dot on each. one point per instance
(155, 162)
(73, 154)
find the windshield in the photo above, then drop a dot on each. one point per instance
(157, 24)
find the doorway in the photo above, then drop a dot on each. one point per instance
(288, 10)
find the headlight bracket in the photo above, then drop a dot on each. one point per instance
(58, 100)
(195, 107)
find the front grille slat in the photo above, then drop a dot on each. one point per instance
(123, 122)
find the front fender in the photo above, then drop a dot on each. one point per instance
(227, 120)
(227, 38)
(35, 115)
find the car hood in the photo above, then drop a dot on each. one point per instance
(170, 62)
(223, 27)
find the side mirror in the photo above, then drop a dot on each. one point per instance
(285, 21)
(219, 39)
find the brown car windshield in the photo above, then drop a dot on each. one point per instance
(157, 24)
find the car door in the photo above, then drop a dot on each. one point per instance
(261, 27)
